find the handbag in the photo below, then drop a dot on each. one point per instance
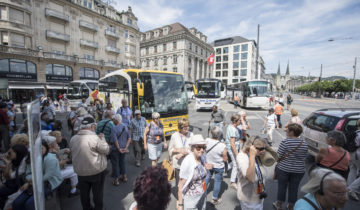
(286, 156)
(170, 170)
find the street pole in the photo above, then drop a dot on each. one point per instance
(319, 92)
(353, 87)
(257, 53)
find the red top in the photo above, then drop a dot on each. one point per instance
(333, 157)
(4, 119)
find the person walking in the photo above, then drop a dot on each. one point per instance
(125, 113)
(335, 157)
(50, 110)
(92, 109)
(179, 146)
(278, 112)
(154, 138)
(354, 178)
(289, 101)
(232, 141)
(137, 129)
(216, 154)
(294, 118)
(82, 103)
(217, 118)
(290, 169)
(243, 127)
(236, 100)
(120, 141)
(270, 123)
(108, 108)
(89, 161)
(4, 126)
(99, 109)
(105, 126)
(325, 190)
(193, 171)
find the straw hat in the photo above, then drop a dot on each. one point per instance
(197, 139)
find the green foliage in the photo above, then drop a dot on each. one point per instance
(343, 85)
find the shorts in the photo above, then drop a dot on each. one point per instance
(154, 151)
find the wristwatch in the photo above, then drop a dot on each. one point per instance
(180, 204)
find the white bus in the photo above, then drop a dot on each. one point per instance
(208, 93)
(79, 89)
(252, 94)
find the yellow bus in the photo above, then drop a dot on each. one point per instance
(150, 91)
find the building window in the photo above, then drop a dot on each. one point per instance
(189, 61)
(164, 69)
(129, 22)
(244, 56)
(243, 64)
(236, 48)
(147, 62)
(85, 3)
(164, 47)
(174, 59)
(16, 15)
(155, 49)
(224, 73)
(89, 73)
(218, 66)
(58, 70)
(225, 50)
(126, 34)
(17, 66)
(224, 81)
(17, 40)
(165, 60)
(174, 69)
(243, 72)
(218, 74)
(235, 80)
(244, 47)
(174, 45)
(155, 61)
(235, 65)
(236, 73)
(225, 58)
(236, 57)
(111, 28)
(147, 51)
(89, 57)
(218, 58)
(111, 42)
(190, 46)
(3, 13)
(201, 51)
(196, 49)
(225, 66)
(218, 51)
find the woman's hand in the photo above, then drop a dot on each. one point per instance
(25, 186)
(165, 145)
(209, 166)
(252, 151)
(145, 147)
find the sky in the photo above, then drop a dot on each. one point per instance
(294, 31)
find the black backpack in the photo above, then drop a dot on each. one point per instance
(350, 144)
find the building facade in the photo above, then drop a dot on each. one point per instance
(235, 60)
(176, 48)
(281, 81)
(45, 44)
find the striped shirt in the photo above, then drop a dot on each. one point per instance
(295, 163)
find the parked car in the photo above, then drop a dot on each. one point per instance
(318, 123)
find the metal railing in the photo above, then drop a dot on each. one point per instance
(87, 43)
(88, 25)
(56, 35)
(56, 14)
(112, 49)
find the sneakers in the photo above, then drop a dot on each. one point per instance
(353, 195)
(233, 185)
(277, 205)
(216, 202)
(137, 164)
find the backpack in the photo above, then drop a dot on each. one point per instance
(351, 143)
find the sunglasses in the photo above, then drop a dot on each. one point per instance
(199, 147)
(260, 148)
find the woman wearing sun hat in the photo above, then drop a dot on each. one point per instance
(193, 170)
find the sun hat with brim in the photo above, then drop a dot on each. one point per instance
(197, 139)
(87, 121)
(137, 112)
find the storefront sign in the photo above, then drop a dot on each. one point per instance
(18, 76)
(58, 78)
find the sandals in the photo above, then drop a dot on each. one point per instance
(116, 182)
(124, 179)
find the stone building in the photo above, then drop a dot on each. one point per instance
(280, 81)
(176, 48)
(235, 60)
(45, 44)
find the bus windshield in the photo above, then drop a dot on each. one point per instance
(258, 88)
(81, 89)
(74, 88)
(208, 89)
(163, 93)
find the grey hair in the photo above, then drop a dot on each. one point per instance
(88, 126)
(241, 113)
(338, 137)
(108, 114)
(215, 132)
(313, 184)
(118, 118)
(155, 115)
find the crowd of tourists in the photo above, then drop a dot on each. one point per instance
(101, 135)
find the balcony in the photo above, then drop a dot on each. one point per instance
(115, 65)
(18, 51)
(59, 56)
(56, 14)
(112, 49)
(88, 26)
(57, 36)
(112, 34)
(92, 62)
(87, 43)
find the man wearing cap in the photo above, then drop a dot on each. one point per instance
(89, 160)
(125, 113)
(137, 129)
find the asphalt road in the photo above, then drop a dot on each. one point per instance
(120, 198)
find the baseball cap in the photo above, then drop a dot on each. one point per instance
(137, 112)
(87, 121)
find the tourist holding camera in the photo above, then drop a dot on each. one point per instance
(251, 189)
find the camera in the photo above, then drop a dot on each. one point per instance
(263, 195)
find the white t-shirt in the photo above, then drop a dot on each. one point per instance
(271, 120)
(133, 205)
(215, 155)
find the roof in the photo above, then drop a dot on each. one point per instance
(175, 27)
(230, 40)
(340, 112)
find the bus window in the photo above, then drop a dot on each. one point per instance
(84, 91)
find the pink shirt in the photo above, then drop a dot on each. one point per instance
(333, 157)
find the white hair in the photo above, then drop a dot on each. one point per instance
(241, 113)
(117, 117)
(108, 113)
(215, 132)
(316, 175)
(88, 126)
(155, 115)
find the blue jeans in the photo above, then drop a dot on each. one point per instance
(26, 201)
(118, 163)
(279, 120)
(217, 180)
(285, 179)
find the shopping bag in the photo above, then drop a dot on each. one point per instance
(11, 199)
(170, 170)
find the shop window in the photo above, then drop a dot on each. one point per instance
(17, 69)
(58, 72)
(89, 73)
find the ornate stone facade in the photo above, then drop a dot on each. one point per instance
(281, 81)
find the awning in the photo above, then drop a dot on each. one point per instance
(57, 87)
(26, 86)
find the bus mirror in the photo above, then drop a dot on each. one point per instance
(140, 89)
